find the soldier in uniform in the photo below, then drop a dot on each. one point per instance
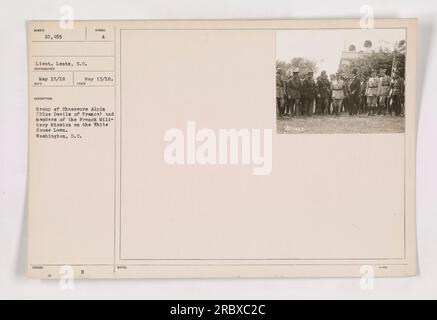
(354, 93)
(346, 92)
(287, 101)
(293, 89)
(318, 102)
(280, 93)
(338, 94)
(397, 91)
(363, 100)
(323, 93)
(372, 93)
(308, 94)
(383, 92)
(332, 77)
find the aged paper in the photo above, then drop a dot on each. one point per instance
(222, 149)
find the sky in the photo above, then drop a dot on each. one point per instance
(325, 46)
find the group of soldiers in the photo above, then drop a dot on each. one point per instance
(301, 95)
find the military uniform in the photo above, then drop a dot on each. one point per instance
(293, 90)
(363, 100)
(308, 95)
(397, 92)
(280, 95)
(372, 94)
(383, 93)
(354, 95)
(323, 94)
(346, 94)
(338, 90)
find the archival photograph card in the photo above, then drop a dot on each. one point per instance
(193, 149)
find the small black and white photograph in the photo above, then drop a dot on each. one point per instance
(340, 81)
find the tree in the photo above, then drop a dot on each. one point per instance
(303, 64)
(382, 59)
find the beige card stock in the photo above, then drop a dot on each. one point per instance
(157, 149)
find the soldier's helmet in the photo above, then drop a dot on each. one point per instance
(296, 71)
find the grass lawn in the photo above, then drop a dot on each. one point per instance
(342, 124)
